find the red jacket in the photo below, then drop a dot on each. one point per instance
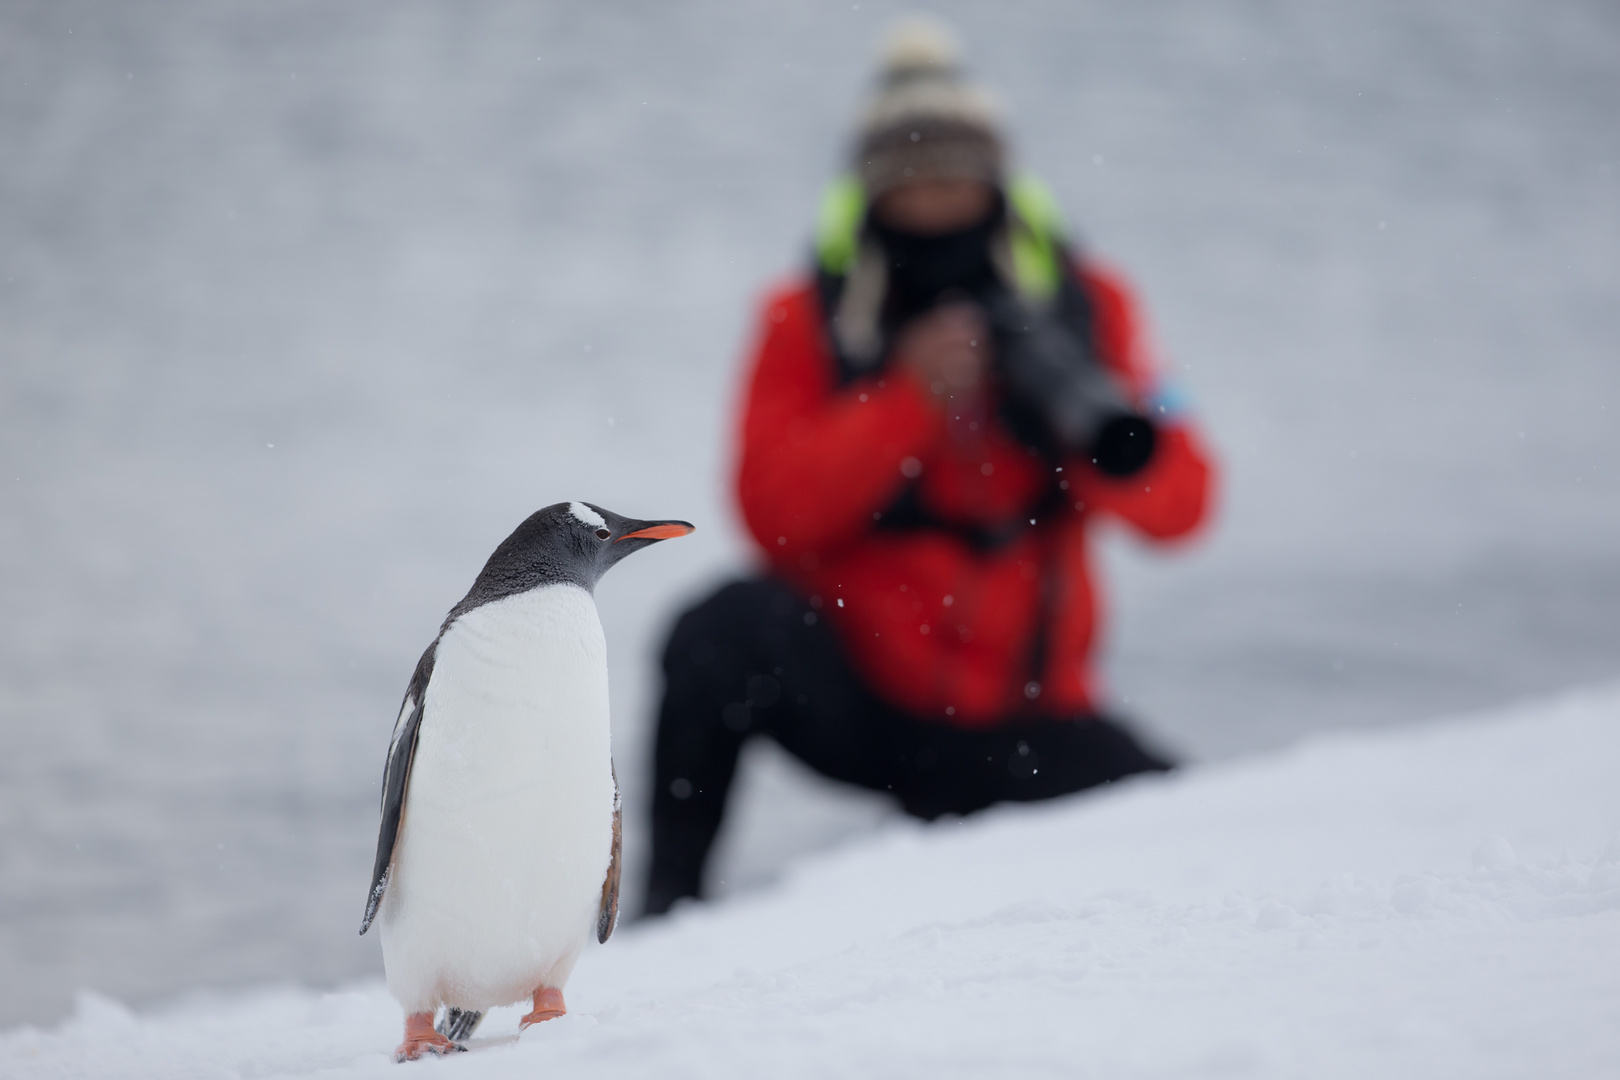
(933, 625)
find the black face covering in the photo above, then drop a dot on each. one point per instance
(922, 269)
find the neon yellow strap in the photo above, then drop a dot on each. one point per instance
(1037, 223)
(838, 224)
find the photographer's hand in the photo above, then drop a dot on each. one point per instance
(948, 349)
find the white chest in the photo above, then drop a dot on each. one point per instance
(518, 702)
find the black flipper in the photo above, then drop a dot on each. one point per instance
(396, 777)
(607, 916)
(457, 1025)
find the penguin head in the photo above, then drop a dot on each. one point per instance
(571, 543)
(610, 537)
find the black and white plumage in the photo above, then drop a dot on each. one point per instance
(498, 854)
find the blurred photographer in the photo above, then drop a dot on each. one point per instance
(935, 420)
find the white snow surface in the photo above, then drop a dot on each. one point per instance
(1436, 901)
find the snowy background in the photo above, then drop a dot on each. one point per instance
(303, 306)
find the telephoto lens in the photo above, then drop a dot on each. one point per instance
(1124, 445)
(1052, 370)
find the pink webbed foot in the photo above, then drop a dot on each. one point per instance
(420, 1038)
(548, 1004)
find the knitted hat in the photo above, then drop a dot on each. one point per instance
(925, 120)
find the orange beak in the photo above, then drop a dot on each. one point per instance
(664, 530)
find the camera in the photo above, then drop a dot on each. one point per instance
(1052, 370)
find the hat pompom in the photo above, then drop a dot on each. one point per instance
(920, 43)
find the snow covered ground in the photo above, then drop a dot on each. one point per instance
(1432, 902)
(303, 306)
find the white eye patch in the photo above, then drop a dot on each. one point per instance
(586, 516)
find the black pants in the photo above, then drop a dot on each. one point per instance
(755, 659)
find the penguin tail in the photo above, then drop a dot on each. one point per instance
(457, 1025)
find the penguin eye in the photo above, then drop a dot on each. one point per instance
(602, 534)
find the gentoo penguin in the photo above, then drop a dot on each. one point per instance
(499, 848)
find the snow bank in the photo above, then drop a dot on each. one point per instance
(1442, 901)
